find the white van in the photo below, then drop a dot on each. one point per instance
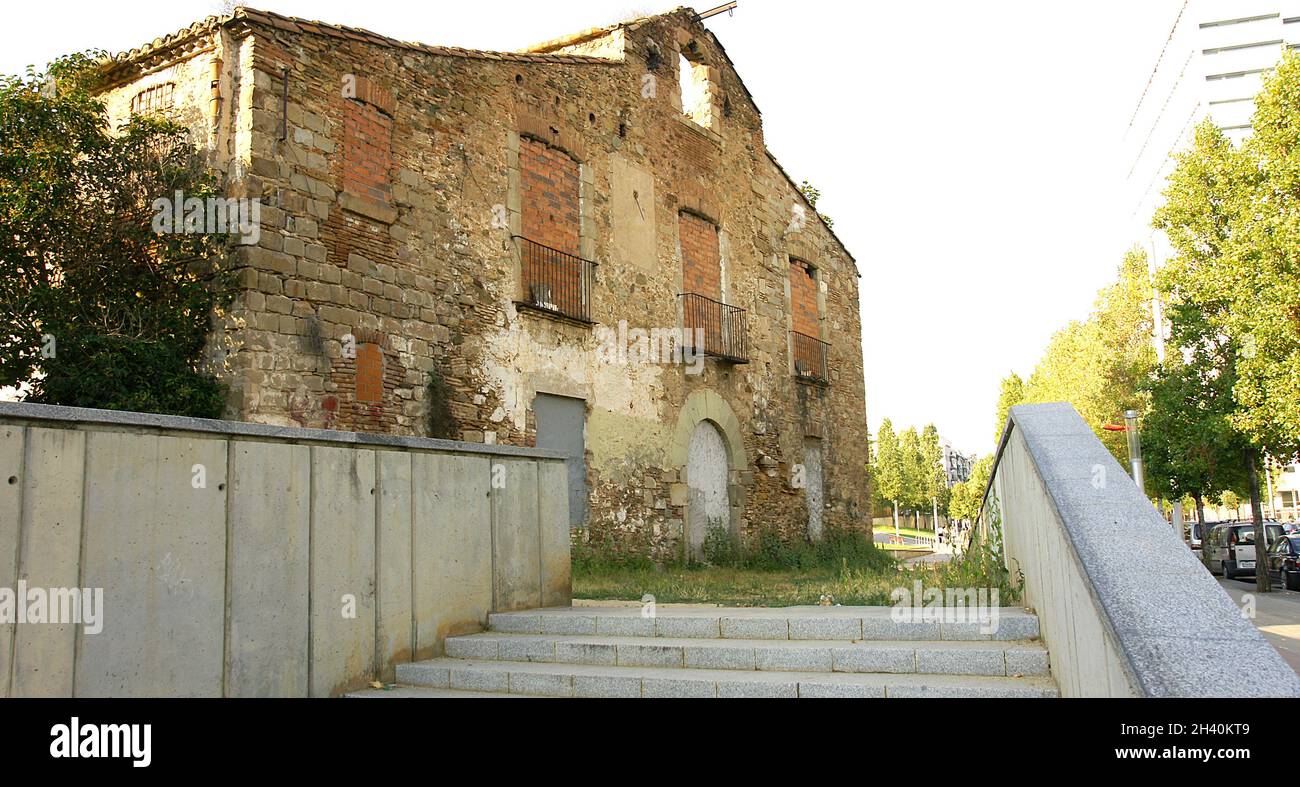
(1229, 548)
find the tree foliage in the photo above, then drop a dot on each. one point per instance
(814, 195)
(1233, 217)
(1233, 284)
(934, 481)
(887, 464)
(914, 474)
(1012, 394)
(907, 468)
(1101, 364)
(1189, 445)
(98, 310)
(967, 497)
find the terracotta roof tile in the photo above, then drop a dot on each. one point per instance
(316, 27)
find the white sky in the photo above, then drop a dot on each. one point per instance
(969, 152)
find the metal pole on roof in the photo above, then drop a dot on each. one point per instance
(728, 8)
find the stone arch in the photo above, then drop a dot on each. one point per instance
(706, 406)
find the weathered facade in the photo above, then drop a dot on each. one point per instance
(491, 228)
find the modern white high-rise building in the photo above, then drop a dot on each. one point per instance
(1212, 65)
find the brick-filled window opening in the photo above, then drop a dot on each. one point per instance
(701, 257)
(154, 99)
(705, 315)
(368, 152)
(803, 299)
(555, 277)
(809, 350)
(370, 374)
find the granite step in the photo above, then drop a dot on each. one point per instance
(426, 693)
(991, 658)
(582, 680)
(796, 623)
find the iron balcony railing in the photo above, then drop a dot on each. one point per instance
(555, 281)
(715, 328)
(810, 359)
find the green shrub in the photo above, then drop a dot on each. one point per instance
(838, 549)
(98, 309)
(720, 547)
(128, 373)
(596, 558)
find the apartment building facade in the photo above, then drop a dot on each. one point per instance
(956, 465)
(500, 247)
(1212, 66)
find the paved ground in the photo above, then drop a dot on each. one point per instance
(885, 537)
(1277, 615)
(932, 557)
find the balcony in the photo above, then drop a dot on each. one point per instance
(719, 329)
(554, 282)
(810, 359)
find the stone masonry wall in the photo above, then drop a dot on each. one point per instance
(387, 253)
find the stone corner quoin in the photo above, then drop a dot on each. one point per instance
(492, 219)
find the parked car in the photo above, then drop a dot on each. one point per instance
(1230, 547)
(1282, 561)
(1291, 528)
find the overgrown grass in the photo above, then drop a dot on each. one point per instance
(847, 567)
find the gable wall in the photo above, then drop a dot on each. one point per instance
(425, 273)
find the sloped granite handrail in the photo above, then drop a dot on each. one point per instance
(1100, 563)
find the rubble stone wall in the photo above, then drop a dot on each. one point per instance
(394, 182)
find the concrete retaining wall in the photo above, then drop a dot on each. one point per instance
(252, 561)
(1124, 606)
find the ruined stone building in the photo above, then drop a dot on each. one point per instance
(502, 232)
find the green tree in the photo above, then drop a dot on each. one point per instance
(1012, 394)
(934, 482)
(100, 311)
(958, 500)
(1100, 365)
(968, 496)
(1233, 218)
(1264, 292)
(915, 472)
(887, 467)
(1189, 445)
(981, 473)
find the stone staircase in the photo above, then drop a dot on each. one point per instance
(714, 652)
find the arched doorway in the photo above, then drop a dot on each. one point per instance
(707, 472)
(693, 453)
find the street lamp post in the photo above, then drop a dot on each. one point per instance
(1135, 448)
(1268, 476)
